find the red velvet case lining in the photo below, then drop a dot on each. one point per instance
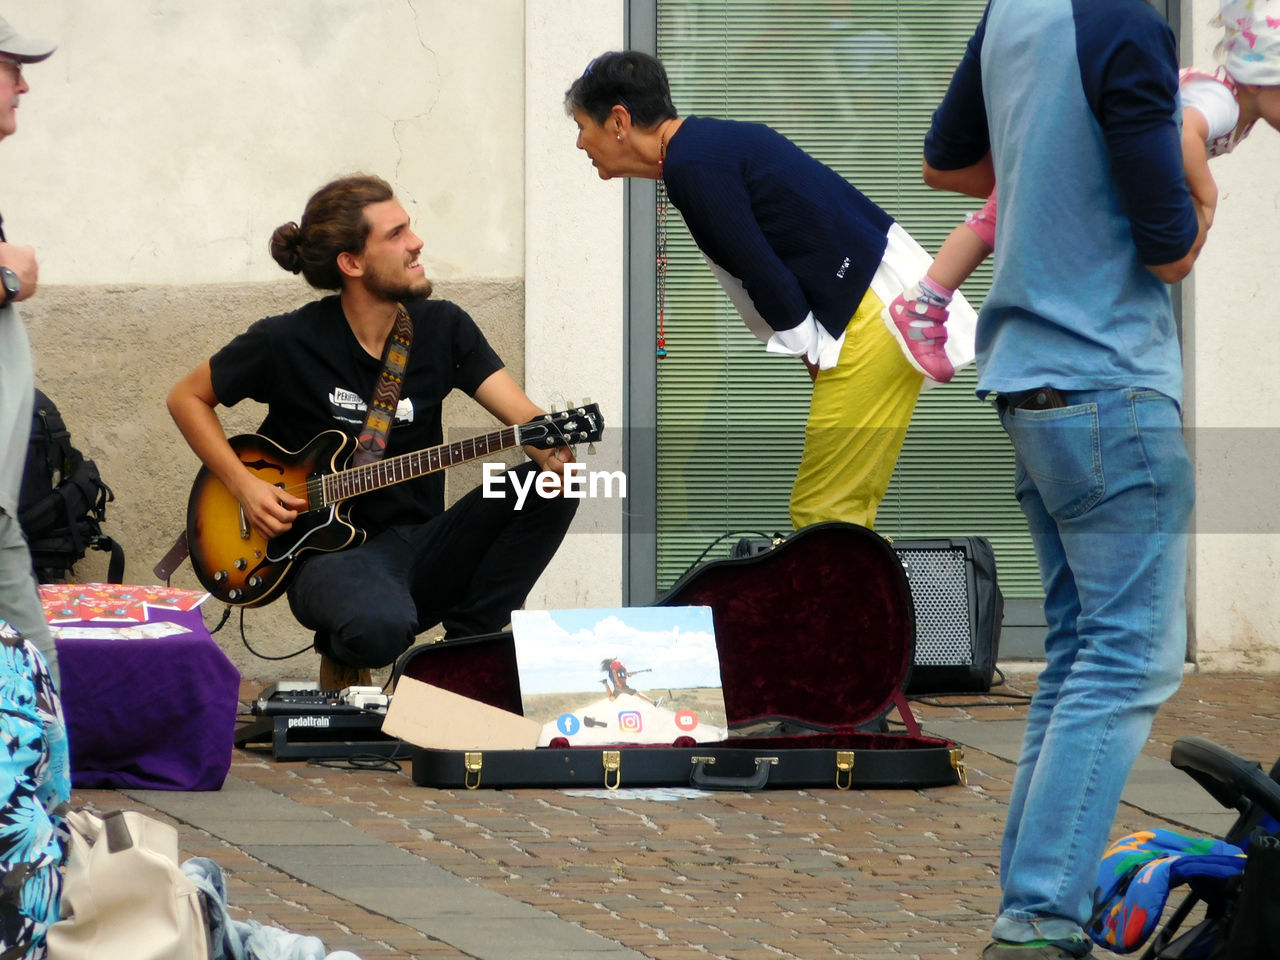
(819, 630)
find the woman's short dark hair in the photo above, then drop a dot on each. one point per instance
(633, 79)
(332, 223)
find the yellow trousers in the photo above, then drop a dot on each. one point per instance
(858, 418)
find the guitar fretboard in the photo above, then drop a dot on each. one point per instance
(383, 473)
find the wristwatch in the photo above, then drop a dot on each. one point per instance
(12, 287)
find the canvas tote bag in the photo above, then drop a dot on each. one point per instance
(124, 895)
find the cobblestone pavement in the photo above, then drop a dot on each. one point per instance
(773, 874)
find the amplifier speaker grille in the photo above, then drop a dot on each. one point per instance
(958, 610)
(939, 582)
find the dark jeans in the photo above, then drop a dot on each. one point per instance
(466, 569)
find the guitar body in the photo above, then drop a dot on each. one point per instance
(236, 563)
(240, 566)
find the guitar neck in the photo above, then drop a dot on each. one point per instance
(368, 477)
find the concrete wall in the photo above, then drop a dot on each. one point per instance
(1233, 404)
(164, 141)
(575, 281)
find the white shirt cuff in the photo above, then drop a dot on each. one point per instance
(808, 339)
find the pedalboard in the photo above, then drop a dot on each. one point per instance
(300, 721)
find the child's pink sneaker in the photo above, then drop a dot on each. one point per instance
(919, 328)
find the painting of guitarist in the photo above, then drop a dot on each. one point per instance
(615, 681)
(338, 501)
(564, 657)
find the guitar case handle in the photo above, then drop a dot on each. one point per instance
(698, 777)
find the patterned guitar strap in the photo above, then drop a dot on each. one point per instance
(372, 442)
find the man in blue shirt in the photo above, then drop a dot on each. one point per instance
(1070, 105)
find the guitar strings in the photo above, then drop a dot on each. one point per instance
(349, 483)
(461, 450)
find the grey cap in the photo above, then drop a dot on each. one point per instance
(23, 49)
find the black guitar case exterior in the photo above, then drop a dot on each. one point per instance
(815, 640)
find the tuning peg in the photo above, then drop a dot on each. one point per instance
(585, 401)
(553, 408)
(591, 449)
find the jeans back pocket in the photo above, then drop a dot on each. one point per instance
(1060, 451)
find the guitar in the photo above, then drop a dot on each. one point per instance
(240, 566)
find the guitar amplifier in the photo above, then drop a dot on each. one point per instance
(958, 608)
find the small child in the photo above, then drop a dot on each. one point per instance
(1219, 110)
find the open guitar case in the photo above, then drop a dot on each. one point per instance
(815, 640)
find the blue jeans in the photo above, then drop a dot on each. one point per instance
(1107, 488)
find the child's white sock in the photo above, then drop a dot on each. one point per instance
(934, 292)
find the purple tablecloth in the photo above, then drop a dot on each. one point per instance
(156, 714)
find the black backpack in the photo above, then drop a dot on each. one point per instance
(62, 501)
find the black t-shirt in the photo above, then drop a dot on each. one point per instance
(312, 373)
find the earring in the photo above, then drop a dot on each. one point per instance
(619, 138)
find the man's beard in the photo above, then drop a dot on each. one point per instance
(418, 289)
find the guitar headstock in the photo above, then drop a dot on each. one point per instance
(564, 428)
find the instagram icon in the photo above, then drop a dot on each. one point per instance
(629, 721)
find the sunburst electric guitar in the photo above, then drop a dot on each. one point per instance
(240, 566)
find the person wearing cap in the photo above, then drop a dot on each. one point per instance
(19, 597)
(35, 768)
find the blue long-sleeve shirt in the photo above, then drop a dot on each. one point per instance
(1077, 102)
(798, 236)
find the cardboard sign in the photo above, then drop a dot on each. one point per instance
(428, 716)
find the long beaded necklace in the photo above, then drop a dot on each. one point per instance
(662, 249)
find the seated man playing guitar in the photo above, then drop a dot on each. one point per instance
(411, 563)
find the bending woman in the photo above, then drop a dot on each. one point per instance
(808, 261)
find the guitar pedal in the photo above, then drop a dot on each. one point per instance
(299, 698)
(365, 697)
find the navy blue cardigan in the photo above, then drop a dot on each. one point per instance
(797, 235)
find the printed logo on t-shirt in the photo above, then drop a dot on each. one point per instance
(348, 407)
